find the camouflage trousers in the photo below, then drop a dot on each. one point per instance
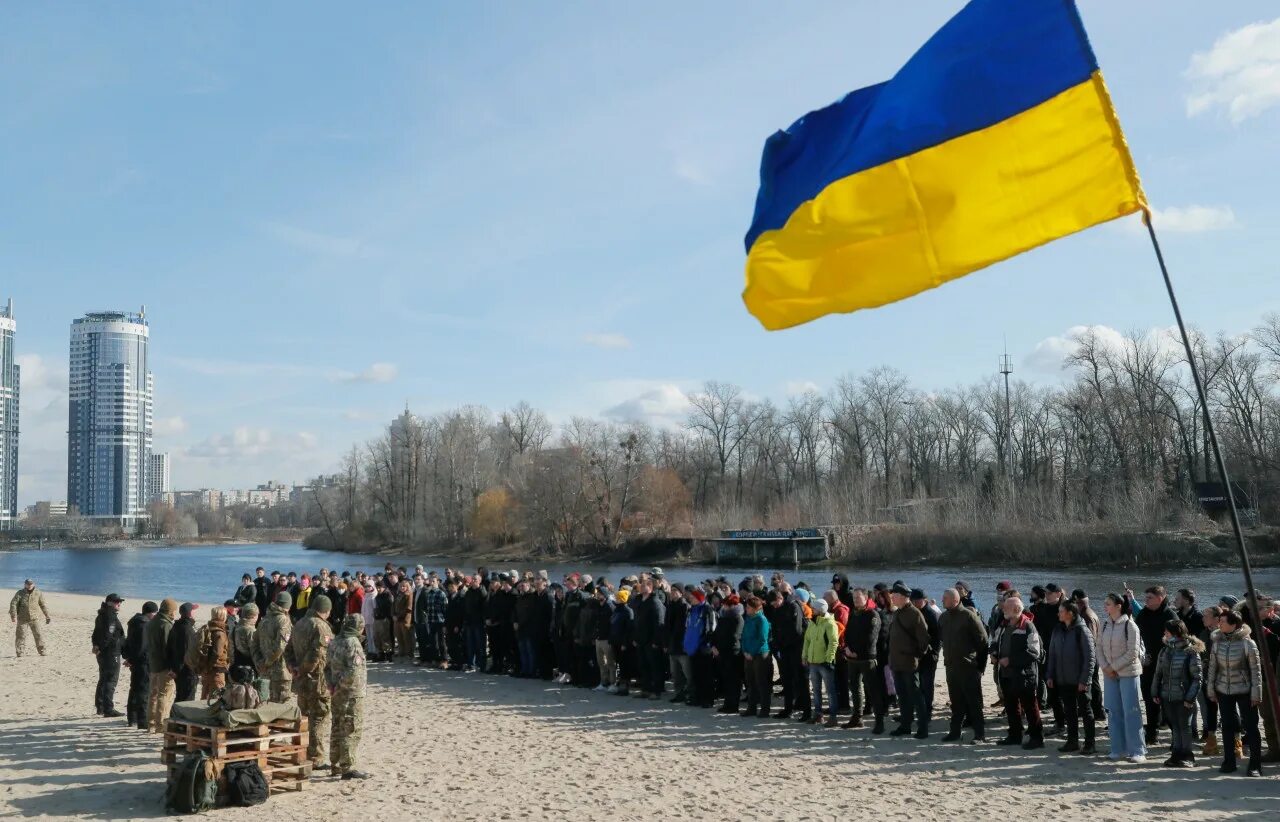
(313, 701)
(348, 722)
(20, 640)
(281, 691)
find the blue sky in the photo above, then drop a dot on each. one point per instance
(330, 214)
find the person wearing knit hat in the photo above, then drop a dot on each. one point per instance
(696, 644)
(242, 637)
(161, 691)
(181, 638)
(621, 641)
(134, 654)
(821, 644)
(306, 655)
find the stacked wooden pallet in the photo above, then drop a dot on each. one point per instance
(279, 748)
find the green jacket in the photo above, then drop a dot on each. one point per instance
(964, 637)
(156, 639)
(308, 645)
(821, 639)
(345, 669)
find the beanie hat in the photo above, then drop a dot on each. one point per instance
(1004, 585)
(699, 595)
(249, 610)
(169, 606)
(732, 599)
(622, 596)
(803, 595)
(819, 606)
(149, 607)
(284, 600)
(321, 604)
(916, 593)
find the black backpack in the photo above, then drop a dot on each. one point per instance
(193, 791)
(246, 786)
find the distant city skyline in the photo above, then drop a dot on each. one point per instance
(331, 215)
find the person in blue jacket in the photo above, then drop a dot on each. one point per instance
(757, 659)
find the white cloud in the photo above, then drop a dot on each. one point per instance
(247, 442)
(315, 242)
(795, 388)
(1240, 74)
(39, 373)
(610, 341)
(378, 372)
(665, 404)
(169, 426)
(1050, 354)
(1193, 219)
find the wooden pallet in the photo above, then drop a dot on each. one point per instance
(279, 749)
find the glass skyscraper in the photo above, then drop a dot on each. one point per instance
(109, 417)
(8, 420)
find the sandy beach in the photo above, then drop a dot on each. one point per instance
(464, 746)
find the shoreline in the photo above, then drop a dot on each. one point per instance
(548, 746)
(113, 544)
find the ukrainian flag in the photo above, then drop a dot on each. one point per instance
(996, 137)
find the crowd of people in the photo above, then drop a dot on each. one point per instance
(849, 656)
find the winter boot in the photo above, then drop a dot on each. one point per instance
(1211, 746)
(878, 728)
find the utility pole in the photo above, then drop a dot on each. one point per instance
(1006, 368)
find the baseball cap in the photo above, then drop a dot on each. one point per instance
(114, 598)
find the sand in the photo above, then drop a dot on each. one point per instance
(468, 746)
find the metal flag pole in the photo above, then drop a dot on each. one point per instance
(1268, 670)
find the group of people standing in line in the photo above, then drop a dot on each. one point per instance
(861, 652)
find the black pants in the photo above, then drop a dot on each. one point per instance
(437, 648)
(185, 681)
(841, 699)
(759, 683)
(731, 679)
(1154, 716)
(928, 681)
(654, 677)
(422, 633)
(704, 682)
(456, 644)
(1022, 700)
(585, 672)
(139, 691)
(498, 651)
(1077, 709)
(964, 687)
(795, 689)
(911, 700)
(104, 697)
(867, 678)
(1239, 714)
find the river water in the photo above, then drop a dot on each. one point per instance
(211, 573)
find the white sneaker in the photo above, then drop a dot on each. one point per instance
(1138, 760)
(600, 688)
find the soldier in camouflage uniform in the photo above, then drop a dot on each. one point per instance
(306, 658)
(345, 675)
(270, 642)
(26, 610)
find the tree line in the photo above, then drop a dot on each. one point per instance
(1120, 443)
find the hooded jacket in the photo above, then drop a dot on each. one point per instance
(218, 659)
(621, 623)
(157, 638)
(1234, 668)
(1178, 676)
(698, 629)
(786, 623)
(108, 633)
(1072, 655)
(727, 637)
(821, 640)
(135, 642)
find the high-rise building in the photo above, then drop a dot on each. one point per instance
(109, 417)
(158, 478)
(9, 373)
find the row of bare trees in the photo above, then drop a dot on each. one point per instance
(1121, 440)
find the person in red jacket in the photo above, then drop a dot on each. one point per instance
(355, 599)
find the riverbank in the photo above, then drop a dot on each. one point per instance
(435, 741)
(255, 537)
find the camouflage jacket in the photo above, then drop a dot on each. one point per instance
(345, 670)
(270, 642)
(307, 648)
(242, 641)
(27, 606)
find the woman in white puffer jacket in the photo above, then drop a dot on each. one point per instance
(1120, 658)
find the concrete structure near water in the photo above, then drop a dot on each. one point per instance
(776, 548)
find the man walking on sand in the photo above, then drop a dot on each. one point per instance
(25, 609)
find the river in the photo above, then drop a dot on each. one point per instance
(210, 573)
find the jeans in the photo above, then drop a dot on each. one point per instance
(822, 676)
(911, 700)
(475, 643)
(1239, 713)
(681, 675)
(528, 657)
(1178, 715)
(1122, 697)
(605, 661)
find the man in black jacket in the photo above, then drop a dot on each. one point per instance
(182, 637)
(474, 601)
(648, 638)
(108, 639)
(135, 658)
(786, 638)
(726, 647)
(673, 629)
(861, 648)
(455, 623)
(1044, 612)
(1151, 620)
(262, 592)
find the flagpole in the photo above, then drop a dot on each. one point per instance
(1268, 671)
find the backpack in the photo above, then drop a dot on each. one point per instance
(197, 658)
(240, 696)
(195, 789)
(246, 786)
